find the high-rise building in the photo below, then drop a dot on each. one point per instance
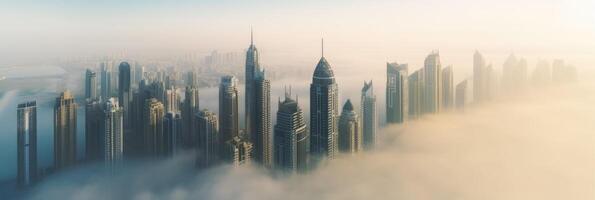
(106, 73)
(514, 74)
(228, 108)
(208, 139)
(447, 88)
(350, 135)
(433, 83)
(416, 94)
(153, 127)
(26, 144)
(368, 113)
(237, 151)
(189, 110)
(64, 131)
(291, 152)
(139, 72)
(542, 75)
(396, 93)
(260, 131)
(480, 78)
(461, 95)
(562, 72)
(172, 133)
(94, 137)
(124, 91)
(324, 110)
(172, 100)
(113, 133)
(90, 84)
(252, 68)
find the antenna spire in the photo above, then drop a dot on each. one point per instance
(251, 36)
(322, 47)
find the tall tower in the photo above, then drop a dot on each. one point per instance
(292, 140)
(447, 88)
(480, 79)
(416, 94)
(153, 131)
(172, 133)
(368, 112)
(106, 86)
(208, 139)
(433, 83)
(228, 108)
(189, 110)
(261, 120)
(461, 95)
(350, 135)
(172, 100)
(94, 139)
(90, 84)
(252, 68)
(124, 95)
(324, 110)
(26, 144)
(113, 133)
(397, 99)
(64, 131)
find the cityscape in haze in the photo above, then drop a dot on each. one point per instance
(330, 119)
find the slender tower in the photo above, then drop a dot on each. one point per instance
(324, 109)
(64, 131)
(26, 144)
(447, 88)
(208, 139)
(261, 120)
(113, 134)
(368, 112)
(350, 135)
(397, 99)
(291, 137)
(90, 84)
(189, 110)
(94, 125)
(124, 95)
(106, 86)
(433, 83)
(228, 108)
(480, 79)
(172, 133)
(252, 68)
(153, 131)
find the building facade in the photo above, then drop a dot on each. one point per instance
(65, 131)
(291, 140)
(27, 173)
(350, 135)
(368, 114)
(397, 91)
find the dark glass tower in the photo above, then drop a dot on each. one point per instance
(64, 131)
(172, 133)
(228, 108)
(26, 144)
(292, 141)
(189, 110)
(324, 110)
(261, 120)
(252, 68)
(368, 113)
(93, 130)
(208, 139)
(397, 99)
(124, 93)
(90, 84)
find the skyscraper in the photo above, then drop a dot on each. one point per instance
(64, 131)
(228, 108)
(416, 94)
(480, 78)
(514, 74)
(261, 120)
(153, 127)
(542, 74)
(368, 113)
(190, 108)
(172, 100)
(324, 110)
(252, 68)
(105, 80)
(237, 151)
(461, 95)
(208, 139)
(172, 133)
(113, 133)
(397, 91)
(433, 83)
(124, 93)
(94, 138)
(26, 144)
(447, 88)
(292, 141)
(350, 135)
(90, 84)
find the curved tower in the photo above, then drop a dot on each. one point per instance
(324, 110)
(350, 136)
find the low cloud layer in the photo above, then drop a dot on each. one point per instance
(534, 146)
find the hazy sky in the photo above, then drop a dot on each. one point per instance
(290, 31)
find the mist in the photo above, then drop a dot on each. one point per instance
(538, 145)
